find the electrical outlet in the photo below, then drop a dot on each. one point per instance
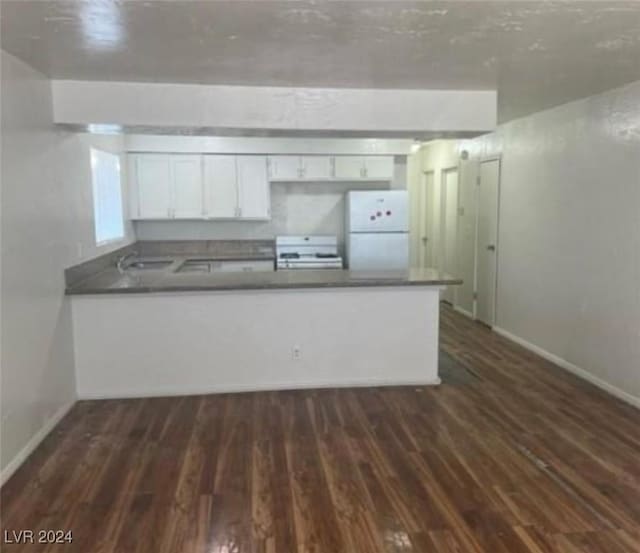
(296, 353)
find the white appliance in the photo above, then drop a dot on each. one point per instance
(307, 252)
(377, 230)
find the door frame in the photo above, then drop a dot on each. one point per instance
(423, 207)
(486, 159)
(443, 219)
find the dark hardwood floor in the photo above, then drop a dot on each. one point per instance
(510, 454)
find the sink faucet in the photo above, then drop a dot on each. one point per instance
(121, 260)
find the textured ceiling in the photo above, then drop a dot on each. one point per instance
(536, 54)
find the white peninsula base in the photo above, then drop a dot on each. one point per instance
(160, 344)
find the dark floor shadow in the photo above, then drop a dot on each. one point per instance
(455, 373)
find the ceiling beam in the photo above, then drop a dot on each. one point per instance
(273, 108)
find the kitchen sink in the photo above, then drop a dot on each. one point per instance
(195, 266)
(146, 265)
(225, 266)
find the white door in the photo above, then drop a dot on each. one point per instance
(254, 197)
(316, 167)
(286, 168)
(154, 186)
(349, 167)
(378, 167)
(220, 186)
(426, 218)
(449, 228)
(187, 191)
(487, 242)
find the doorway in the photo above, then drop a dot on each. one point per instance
(449, 231)
(426, 222)
(487, 241)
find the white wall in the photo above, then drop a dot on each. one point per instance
(46, 226)
(569, 237)
(273, 108)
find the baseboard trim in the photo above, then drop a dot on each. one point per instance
(33, 443)
(463, 311)
(267, 387)
(570, 367)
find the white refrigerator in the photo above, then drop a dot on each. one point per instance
(377, 230)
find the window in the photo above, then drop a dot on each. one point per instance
(107, 196)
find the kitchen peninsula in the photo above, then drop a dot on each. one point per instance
(165, 332)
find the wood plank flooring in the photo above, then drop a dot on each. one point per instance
(510, 454)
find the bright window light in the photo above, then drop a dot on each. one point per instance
(107, 197)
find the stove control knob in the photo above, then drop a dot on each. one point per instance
(388, 212)
(373, 217)
(379, 214)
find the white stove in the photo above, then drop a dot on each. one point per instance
(307, 252)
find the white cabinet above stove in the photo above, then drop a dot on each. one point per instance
(319, 168)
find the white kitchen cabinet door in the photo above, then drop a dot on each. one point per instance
(378, 167)
(254, 196)
(349, 167)
(187, 189)
(153, 180)
(285, 168)
(317, 167)
(220, 186)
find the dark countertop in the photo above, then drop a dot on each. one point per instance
(111, 281)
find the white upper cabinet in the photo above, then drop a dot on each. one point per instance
(285, 168)
(152, 186)
(378, 167)
(220, 186)
(349, 167)
(254, 198)
(360, 168)
(236, 187)
(330, 168)
(194, 186)
(186, 186)
(166, 186)
(316, 167)
(297, 168)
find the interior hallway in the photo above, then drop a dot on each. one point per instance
(510, 454)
